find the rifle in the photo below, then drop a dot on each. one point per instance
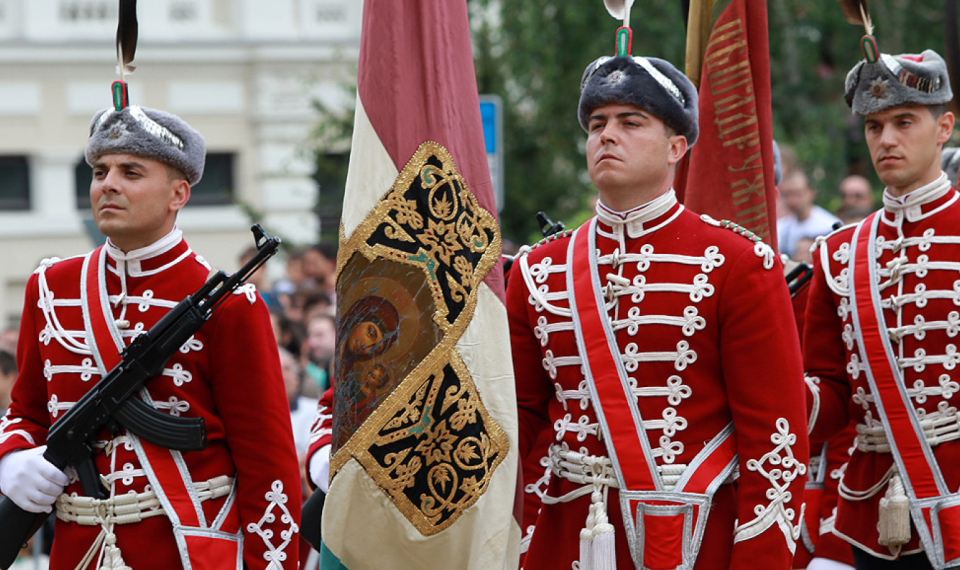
(113, 403)
(547, 227)
(798, 276)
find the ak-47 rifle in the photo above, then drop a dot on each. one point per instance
(547, 227)
(113, 403)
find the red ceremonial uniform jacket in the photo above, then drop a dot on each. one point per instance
(918, 252)
(228, 373)
(704, 326)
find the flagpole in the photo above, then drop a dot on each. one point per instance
(698, 33)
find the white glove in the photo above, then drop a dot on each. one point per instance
(827, 564)
(30, 481)
(320, 468)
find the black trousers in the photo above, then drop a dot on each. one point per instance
(865, 561)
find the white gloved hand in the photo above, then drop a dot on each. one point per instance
(827, 564)
(320, 468)
(30, 481)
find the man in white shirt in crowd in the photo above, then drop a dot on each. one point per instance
(805, 219)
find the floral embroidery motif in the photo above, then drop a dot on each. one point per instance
(425, 437)
(275, 555)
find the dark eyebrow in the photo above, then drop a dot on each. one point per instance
(623, 115)
(127, 165)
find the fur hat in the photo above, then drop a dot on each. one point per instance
(897, 80)
(652, 84)
(148, 133)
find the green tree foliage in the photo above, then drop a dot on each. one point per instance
(533, 54)
(812, 47)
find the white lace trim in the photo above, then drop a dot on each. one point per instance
(920, 327)
(276, 501)
(55, 406)
(689, 323)
(582, 427)
(813, 384)
(780, 468)
(174, 405)
(551, 362)
(86, 369)
(6, 422)
(921, 296)
(322, 425)
(249, 290)
(681, 358)
(909, 206)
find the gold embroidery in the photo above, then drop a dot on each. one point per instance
(427, 440)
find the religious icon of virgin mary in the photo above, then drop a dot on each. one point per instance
(378, 343)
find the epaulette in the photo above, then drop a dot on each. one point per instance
(733, 227)
(553, 237)
(740, 230)
(760, 248)
(48, 262)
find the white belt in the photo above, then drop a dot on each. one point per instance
(131, 507)
(937, 430)
(598, 470)
(124, 509)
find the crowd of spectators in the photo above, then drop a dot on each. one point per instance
(800, 220)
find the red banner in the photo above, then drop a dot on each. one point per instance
(729, 172)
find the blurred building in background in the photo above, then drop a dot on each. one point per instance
(245, 73)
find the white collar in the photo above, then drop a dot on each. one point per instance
(637, 220)
(159, 247)
(909, 205)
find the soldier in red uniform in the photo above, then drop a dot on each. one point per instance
(236, 503)
(655, 347)
(882, 320)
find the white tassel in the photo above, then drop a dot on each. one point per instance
(111, 555)
(604, 552)
(604, 548)
(894, 514)
(586, 549)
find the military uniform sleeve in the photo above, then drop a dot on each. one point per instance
(27, 420)
(824, 360)
(762, 370)
(534, 388)
(321, 432)
(251, 400)
(534, 391)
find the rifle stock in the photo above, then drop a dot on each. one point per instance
(114, 401)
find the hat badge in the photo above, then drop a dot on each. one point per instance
(879, 88)
(615, 77)
(117, 131)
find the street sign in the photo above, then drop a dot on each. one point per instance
(491, 111)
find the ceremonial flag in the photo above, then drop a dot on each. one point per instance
(729, 173)
(424, 465)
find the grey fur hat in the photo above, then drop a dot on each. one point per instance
(896, 80)
(148, 133)
(652, 84)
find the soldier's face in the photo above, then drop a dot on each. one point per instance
(135, 200)
(905, 145)
(630, 150)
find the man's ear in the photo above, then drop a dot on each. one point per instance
(678, 148)
(945, 127)
(179, 194)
